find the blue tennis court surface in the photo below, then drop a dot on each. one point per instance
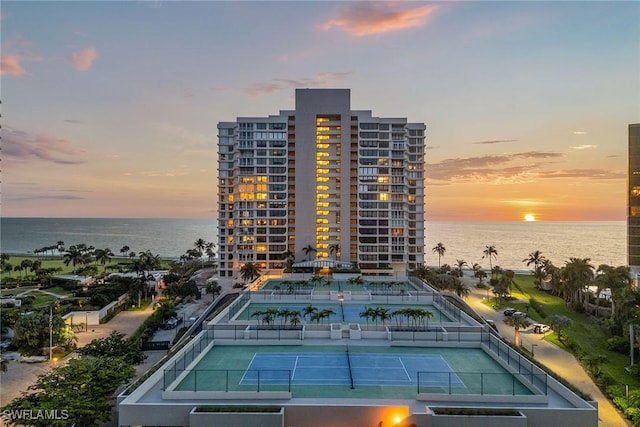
(366, 369)
(341, 312)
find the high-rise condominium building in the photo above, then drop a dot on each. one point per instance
(321, 181)
(633, 211)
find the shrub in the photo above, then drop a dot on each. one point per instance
(535, 305)
(618, 344)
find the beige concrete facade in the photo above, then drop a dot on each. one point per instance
(341, 182)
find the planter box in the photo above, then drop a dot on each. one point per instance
(244, 419)
(474, 420)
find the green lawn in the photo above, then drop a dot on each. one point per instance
(584, 331)
(58, 262)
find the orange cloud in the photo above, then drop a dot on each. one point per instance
(10, 66)
(367, 18)
(83, 59)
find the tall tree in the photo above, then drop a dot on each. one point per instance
(124, 250)
(210, 248)
(200, 245)
(249, 271)
(613, 278)
(519, 321)
(115, 345)
(440, 250)
(490, 252)
(577, 275)
(560, 324)
(309, 249)
(80, 390)
(77, 255)
(334, 249)
(536, 259)
(103, 256)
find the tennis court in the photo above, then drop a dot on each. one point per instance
(337, 313)
(338, 285)
(328, 371)
(346, 369)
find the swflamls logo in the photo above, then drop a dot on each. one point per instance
(35, 414)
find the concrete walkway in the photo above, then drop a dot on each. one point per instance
(558, 360)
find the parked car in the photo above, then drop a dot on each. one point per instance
(539, 328)
(518, 314)
(492, 324)
(509, 311)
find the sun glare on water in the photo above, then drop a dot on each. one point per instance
(529, 217)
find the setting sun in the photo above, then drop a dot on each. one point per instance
(529, 217)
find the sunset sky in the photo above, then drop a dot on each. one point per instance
(109, 109)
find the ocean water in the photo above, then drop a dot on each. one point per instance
(168, 238)
(603, 241)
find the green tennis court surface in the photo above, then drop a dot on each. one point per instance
(377, 372)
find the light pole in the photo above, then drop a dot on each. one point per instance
(86, 321)
(50, 333)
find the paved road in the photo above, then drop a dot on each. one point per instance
(555, 358)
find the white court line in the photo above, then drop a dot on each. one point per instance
(247, 370)
(295, 366)
(405, 369)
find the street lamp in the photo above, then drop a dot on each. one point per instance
(341, 299)
(50, 333)
(86, 321)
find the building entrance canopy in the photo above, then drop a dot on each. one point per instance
(323, 262)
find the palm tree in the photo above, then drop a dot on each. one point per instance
(383, 314)
(73, 256)
(309, 310)
(440, 250)
(613, 278)
(288, 256)
(519, 321)
(334, 249)
(478, 273)
(490, 252)
(309, 249)
(460, 264)
(249, 271)
(213, 288)
(326, 313)
(124, 250)
(103, 255)
(368, 313)
(200, 244)
(536, 258)
(460, 289)
(210, 250)
(577, 275)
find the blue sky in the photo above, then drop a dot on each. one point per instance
(110, 108)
